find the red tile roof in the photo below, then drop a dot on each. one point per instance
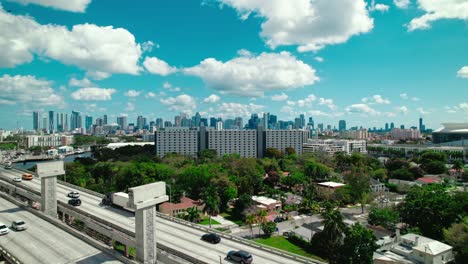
(185, 203)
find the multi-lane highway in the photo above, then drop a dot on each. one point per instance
(177, 236)
(42, 242)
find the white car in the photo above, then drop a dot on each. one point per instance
(18, 225)
(17, 179)
(3, 229)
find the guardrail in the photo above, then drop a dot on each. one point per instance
(81, 189)
(244, 241)
(10, 258)
(180, 254)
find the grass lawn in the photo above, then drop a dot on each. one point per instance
(283, 243)
(206, 221)
(232, 219)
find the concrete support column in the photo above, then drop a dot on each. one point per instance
(49, 195)
(145, 231)
(126, 251)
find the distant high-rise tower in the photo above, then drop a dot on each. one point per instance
(105, 119)
(386, 126)
(36, 120)
(421, 125)
(140, 122)
(51, 122)
(88, 122)
(122, 122)
(342, 125)
(392, 125)
(44, 124)
(75, 120)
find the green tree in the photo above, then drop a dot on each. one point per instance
(226, 190)
(268, 228)
(193, 214)
(250, 220)
(458, 165)
(430, 208)
(261, 218)
(365, 199)
(457, 237)
(273, 153)
(243, 202)
(359, 245)
(386, 217)
(328, 242)
(211, 201)
(316, 171)
(359, 183)
(289, 151)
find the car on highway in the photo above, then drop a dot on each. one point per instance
(212, 238)
(27, 177)
(8, 165)
(240, 256)
(3, 229)
(73, 194)
(17, 179)
(18, 225)
(74, 202)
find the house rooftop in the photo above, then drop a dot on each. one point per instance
(426, 245)
(264, 200)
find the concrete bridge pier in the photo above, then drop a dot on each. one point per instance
(48, 172)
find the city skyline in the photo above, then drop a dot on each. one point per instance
(229, 58)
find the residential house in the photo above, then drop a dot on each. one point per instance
(413, 248)
(327, 189)
(173, 209)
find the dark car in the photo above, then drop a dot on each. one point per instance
(73, 194)
(212, 238)
(240, 256)
(74, 202)
(278, 219)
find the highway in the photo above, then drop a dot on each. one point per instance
(177, 236)
(42, 242)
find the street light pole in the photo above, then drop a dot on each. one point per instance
(170, 198)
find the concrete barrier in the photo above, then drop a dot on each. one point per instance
(81, 189)
(244, 241)
(8, 257)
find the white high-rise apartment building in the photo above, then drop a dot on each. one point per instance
(332, 146)
(242, 142)
(398, 133)
(282, 139)
(176, 140)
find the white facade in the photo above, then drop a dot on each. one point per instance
(242, 142)
(48, 140)
(398, 133)
(355, 134)
(332, 146)
(176, 140)
(282, 139)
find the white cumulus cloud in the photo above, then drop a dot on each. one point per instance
(375, 99)
(422, 111)
(80, 83)
(463, 72)
(93, 94)
(309, 24)
(362, 109)
(437, 10)
(404, 96)
(181, 103)
(253, 76)
(67, 5)
(306, 102)
(99, 50)
(212, 99)
(403, 110)
(378, 7)
(279, 97)
(28, 90)
(327, 102)
(132, 93)
(401, 3)
(158, 66)
(230, 110)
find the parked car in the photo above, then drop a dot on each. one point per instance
(240, 256)
(212, 238)
(3, 229)
(8, 165)
(17, 179)
(278, 219)
(74, 202)
(73, 194)
(27, 177)
(18, 225)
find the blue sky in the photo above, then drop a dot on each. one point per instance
(368, 62)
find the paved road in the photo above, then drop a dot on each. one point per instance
(43, 242)
(177, 236)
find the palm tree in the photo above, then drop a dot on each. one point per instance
(457, 165)
(261, 218)
(212, 202)
(193, 214)
(250, 220)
